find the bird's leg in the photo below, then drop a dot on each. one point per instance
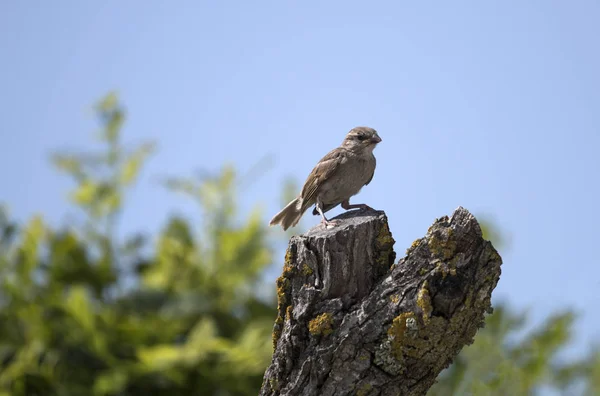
(346, 205)
(324, 221)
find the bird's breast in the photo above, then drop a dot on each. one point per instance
(348, 179)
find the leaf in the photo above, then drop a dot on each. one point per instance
(68, 164)
(86, 193)
(491, 232)
(110, 383)
(78, 305)
(108, 103)
(29, 250)
(160, 357)
(132, 165)
(113, 123)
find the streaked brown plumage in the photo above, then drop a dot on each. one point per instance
(338, 176)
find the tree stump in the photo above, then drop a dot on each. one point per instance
(350, 321)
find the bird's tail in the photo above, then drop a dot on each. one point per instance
(290, 215)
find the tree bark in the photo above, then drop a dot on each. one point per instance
(352, 322)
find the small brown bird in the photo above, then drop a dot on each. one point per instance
(337, 177)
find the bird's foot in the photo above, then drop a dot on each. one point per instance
(329, 223)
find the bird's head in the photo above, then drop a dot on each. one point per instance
(361, 138)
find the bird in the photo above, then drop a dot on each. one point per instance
(338, 176)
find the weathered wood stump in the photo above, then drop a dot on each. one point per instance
(352, 322)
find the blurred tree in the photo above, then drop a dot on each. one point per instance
(83, 312)
(190, 322)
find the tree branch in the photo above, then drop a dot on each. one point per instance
(351, 322)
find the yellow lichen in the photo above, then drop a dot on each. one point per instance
(424, 302)
(364, 389)
(288, 313)
(396, 333)
(384, 244)
(276, 334)
(395, 298)
(288, 270)
(413, 246)
(283, 284)
(385, 237)
(306, 270)
(321, 325)
(446, 269)
(442, 244)
(289, 257)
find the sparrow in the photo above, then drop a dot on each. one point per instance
(339, 175)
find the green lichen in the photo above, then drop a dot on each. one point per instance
(384, 246)
(284, 286)
(279, 320)
(447, 269)
(306, 270)
(321, 325)
(423, 271)
(424, 302)
(274, 384)
(289, 257)
(385, 237)
(283, 291)
(396, 333)
(364, 389)
(385, 359)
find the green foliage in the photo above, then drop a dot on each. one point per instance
(103, 177)
(491, 232)
(74, 318)
(502, 361)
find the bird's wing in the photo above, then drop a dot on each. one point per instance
(321, 172)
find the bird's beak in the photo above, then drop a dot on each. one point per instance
(375, 139)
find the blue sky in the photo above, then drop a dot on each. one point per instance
(494, 106)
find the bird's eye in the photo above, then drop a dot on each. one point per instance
(361, 137)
